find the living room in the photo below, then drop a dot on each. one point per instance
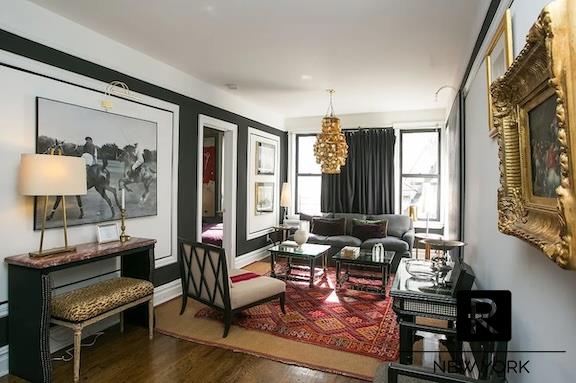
(389, 185)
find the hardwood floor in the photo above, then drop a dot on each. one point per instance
(131, 357)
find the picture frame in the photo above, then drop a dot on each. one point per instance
(265, 158)
(108, 232)
(533, 112)
(264, 197)
(498, 58)
(121, 152)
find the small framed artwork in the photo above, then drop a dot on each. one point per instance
(265, 158)
(498, 59)
(264, 197)
(108, 232)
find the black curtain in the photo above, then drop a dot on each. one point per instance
(366, 183)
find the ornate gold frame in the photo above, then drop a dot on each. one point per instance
(543, 68)
(504, 29)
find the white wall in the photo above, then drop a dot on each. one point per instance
(36, 23)
(543, 304)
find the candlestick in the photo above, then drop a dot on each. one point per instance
(123, 236)
(123, 199)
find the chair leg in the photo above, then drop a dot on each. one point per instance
(227, 322)
(151, 319)
(283, 303)
(184, 302)
(77, 346)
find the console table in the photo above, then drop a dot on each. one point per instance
(30, 294)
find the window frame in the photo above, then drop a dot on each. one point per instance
(424, 175)
(297, 169)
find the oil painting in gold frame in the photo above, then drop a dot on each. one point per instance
(533, 108)
(499, 57)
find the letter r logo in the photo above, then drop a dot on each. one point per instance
(484, 315)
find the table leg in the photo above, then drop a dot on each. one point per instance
(272, 265)
(312, 268)
(338, 273)
(427, 251)
(406, 339)
(384, 279)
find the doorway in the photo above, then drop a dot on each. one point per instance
(217, 169)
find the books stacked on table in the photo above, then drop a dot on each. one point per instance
(350, 252)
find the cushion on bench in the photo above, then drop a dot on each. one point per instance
(88, 302)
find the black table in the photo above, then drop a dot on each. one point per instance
(309, 252)
(365, 260)
(415, 298)
(30, 292)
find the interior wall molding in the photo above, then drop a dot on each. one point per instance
(4, 360)
(251, 257)
(167, 292)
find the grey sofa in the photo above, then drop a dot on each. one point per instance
(400, 236)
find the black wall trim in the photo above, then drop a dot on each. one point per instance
(488, 19)
(3, 331)
(492, 8)
(188, 137)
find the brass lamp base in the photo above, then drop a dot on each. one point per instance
(58, 250)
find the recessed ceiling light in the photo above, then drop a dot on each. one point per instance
(231, 86)
(306, 77)
(209, 8)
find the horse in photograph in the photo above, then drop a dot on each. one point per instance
(97, 177)
(143, 174)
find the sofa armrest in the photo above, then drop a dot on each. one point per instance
(408, 237)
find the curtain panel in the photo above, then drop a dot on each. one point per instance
(366, 182)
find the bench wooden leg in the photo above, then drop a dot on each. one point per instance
(77, 346)
(122, 321)
(151, 319)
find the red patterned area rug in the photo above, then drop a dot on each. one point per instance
(346, 320)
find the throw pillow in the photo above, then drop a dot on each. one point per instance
(329, 226)
(364, 231)
(382, 222)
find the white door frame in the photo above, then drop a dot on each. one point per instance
(230, 181)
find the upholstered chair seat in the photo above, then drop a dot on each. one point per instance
(207, 279)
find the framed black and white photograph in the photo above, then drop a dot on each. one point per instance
(108, 232)
(120, 153)
(264, 197)
(265, 158)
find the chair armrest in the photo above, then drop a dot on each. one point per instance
(395, 370)
(408, 237)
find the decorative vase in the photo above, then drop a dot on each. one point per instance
(378, 250)
(300, 237)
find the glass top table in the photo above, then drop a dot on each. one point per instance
(308, 251)
(366, 259)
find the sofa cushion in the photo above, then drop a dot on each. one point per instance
(329, 226)
(343, 240)
(365, 231)
(397, 224)
(349, 217)
(317, 239)
(389, 243)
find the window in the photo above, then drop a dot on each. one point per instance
(420, 172)
(308, 176)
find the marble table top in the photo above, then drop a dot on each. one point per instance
(83, 252)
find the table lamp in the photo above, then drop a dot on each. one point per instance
(285, 198)
(45, 175)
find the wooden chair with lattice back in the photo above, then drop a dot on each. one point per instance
(207, 279)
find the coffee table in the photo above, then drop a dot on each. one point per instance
(308, 251)
(368, 260)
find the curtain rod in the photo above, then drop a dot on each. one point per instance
(359, 129)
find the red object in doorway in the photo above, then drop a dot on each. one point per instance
(209, 173)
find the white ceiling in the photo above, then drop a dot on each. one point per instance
(379, 55)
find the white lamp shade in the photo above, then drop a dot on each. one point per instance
(52, 175)
(285, 195)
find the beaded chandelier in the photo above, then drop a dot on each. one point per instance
(331, 148)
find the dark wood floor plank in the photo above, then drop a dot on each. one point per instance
(131, 357)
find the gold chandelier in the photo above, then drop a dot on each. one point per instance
(331, 148)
